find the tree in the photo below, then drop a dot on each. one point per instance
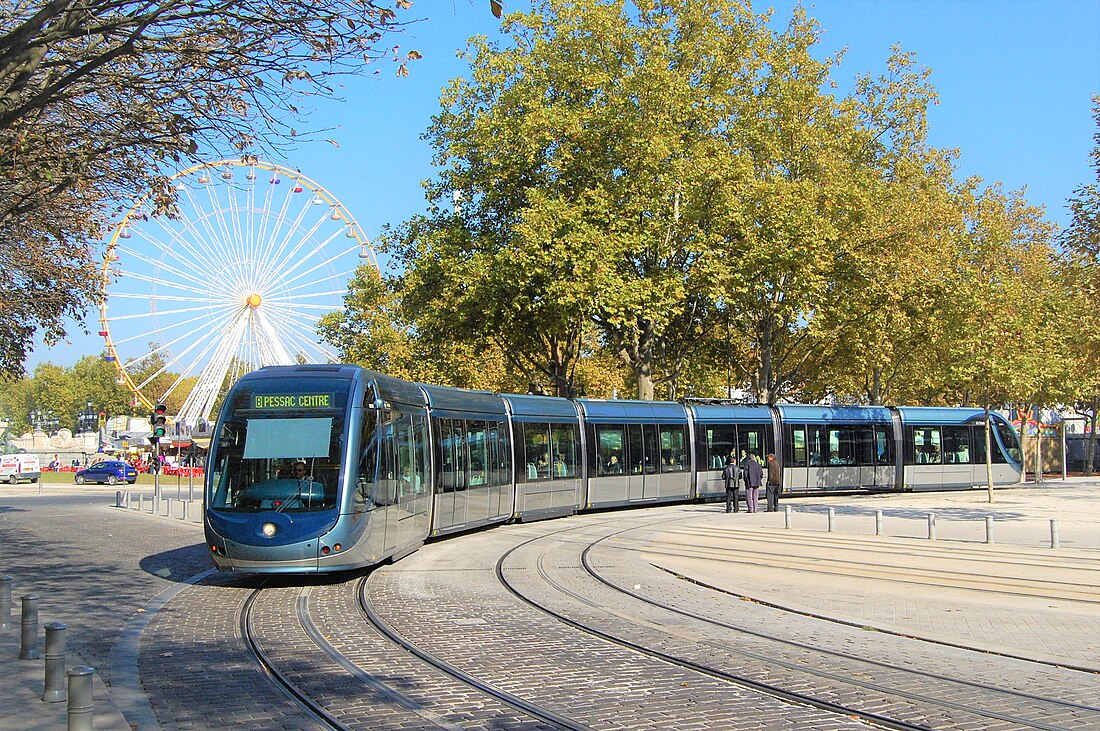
(1081, 242)
(1002, 336)
(98, 98)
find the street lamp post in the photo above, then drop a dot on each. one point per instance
(87, 418)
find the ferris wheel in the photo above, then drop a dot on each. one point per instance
(235, 281)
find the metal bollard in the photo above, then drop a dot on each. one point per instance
(28, 644)
(931, 526)
(118, 498)
(5, 603)
(54, 689)
(989, 529)
(81, 704)
(832, 516)
(878, 522)
(141, 499)
(168, 506)
(787, 517)
(185, 504)
(1055, 539)
(156, 503)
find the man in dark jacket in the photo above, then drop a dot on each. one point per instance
(731, 474)
(775, 479)
(754, 475)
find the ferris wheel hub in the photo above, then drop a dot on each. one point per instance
(254, 300)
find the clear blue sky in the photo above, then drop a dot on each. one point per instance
(1015, 79)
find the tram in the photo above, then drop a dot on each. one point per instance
(317, 468)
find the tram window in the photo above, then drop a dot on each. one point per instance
(409, 481)
(1010, 440)
(721, 442)
(842, 446)
(452, 463)
(751, 439)
(977, 443)
(478, 444)
(366, 489)
(817, 443)
(419, 449)
(673, 448)
(884, 446)
(499, 454)
(866, 446)
(634, 448)
(536, 449)
(610, 450)
(956, 445)
(926, 444)
(796, 446)
(566, 446)
(387, 477)
(650, 451)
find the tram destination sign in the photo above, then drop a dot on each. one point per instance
(279, 401)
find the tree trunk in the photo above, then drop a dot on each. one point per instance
(875, 397)
(643, 366)
(1038, 452)
(1025, 414)
(1090, 443)
(988, 456)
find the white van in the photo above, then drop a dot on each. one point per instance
(16, 467)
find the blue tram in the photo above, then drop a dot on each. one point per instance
(333, 467)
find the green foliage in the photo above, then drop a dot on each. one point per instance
(669, 199)
(65, 392)
(98, 97)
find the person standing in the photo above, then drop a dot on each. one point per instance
(731, 474)
(775, 480)
(754, 475)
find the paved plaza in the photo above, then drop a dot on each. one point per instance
(106, 572)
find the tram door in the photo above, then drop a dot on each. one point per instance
(751, 439)
(403, 475)
(635, 462)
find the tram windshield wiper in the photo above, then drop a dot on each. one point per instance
(297, 495)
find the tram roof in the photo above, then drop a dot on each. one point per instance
(806, 414)
(445, 401)
(646, 412)
(730, 413)
(396, 389)
(940, 415)
(540, 408)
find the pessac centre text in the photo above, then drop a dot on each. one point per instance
(293, 401)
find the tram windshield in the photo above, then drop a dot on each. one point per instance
(279, 452)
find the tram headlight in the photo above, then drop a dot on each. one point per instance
(268, 529)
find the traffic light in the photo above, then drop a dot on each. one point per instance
(159, 422)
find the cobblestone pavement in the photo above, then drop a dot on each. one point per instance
(117, 577)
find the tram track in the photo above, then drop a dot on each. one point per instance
(371, 701)
(984, 688)
(264, 664)
(768, 662)
(554, 720)
(1009, 574)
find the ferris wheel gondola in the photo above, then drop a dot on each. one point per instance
(235, 280)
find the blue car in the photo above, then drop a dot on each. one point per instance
(110, 471)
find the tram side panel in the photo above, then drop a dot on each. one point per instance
(548, 474)
(945, 449)
(639, 452)
(724, 430)
(837, 448)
